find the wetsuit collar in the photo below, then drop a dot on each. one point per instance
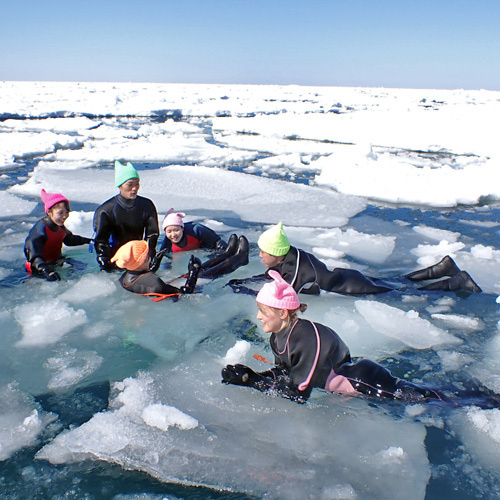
(124, 202)
(50, 223)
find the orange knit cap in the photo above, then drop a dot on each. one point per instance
(132, 255)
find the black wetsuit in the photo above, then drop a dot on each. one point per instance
(194, 236)
(43, 246)
(312, 355)
(309, 275)
(119, 220)
(147, 283)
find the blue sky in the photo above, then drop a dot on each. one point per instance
(398, 43)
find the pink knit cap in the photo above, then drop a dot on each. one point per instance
(173, 219)
(51, 199)
(278, 294)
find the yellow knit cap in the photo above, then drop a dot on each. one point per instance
(274, 241)
(132, 255)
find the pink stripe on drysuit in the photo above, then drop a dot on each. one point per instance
(303, 386)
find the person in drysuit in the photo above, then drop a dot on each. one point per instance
(308, 275)
(123, 218)
(310, 355)
(134, 257)
(43, 246)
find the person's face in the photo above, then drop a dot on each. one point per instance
(58, 213)
(174, 233)
(273, 320)
(270, 260)
(130, 188)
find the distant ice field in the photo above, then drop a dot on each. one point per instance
(104, 394)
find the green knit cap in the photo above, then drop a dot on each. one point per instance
(123, 173)
(274, 241)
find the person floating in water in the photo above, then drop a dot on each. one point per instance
(310, 355)
(308, 275)
(183, 236)
(140, 278)
(43, 246)
(123, 218)
(134, 257)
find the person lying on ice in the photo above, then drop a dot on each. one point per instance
(310, 355)
(307, 274)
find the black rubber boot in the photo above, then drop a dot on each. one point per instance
(445, 267)
(231, 249)
(194, 267)
(240, 258)
(461, 282)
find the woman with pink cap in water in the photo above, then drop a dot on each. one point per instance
(310, 355)
(43, 246)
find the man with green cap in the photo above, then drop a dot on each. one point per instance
(125, 217)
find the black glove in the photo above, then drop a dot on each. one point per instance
(238, 375)
(49, 272)
(235, 282)
(237, 287)
(156, 261)
(51, 275)
(193, 270)
(220, 246)
(87, 241)
(105, 264)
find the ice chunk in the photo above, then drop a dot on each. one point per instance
(480, 431)
(458, 321)
(408, 327)
(237, 353)
(163, 416)
(89, 287)
(437, 234)
(13, 205)
(21, 421)
(47, 322)
(71, 366)
(431, 254)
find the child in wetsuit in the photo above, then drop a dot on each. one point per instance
(307, 274)
(134, 256)
(310, 355)
(183, 236)
(43, 246)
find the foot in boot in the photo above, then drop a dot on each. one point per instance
(242, 252)
(194, 267)
(240, 258)
(445, 267)
(461, 282)
(232, 247)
